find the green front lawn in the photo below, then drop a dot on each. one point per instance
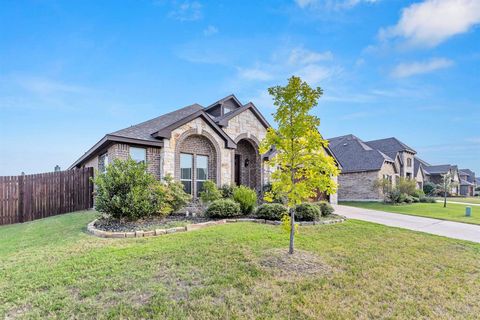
(52, 269)
(453, 212)
(475, 200)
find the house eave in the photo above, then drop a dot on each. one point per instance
(108, 140)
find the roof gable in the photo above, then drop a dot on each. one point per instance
(390, 146)
(354, 155)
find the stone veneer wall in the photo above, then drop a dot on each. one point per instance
(198, 126)
(246, 125)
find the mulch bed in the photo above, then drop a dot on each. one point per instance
(115, 225)
(152, 223)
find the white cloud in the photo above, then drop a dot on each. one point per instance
(314, 74)
(303, 56)
(474, 140)
(404, 70)
(429, 23)
(210, 30)
(255, 74)
(297, 61)
(187, 11)
(332, 4)
(43, 86)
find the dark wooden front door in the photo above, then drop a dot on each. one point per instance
(237, 169)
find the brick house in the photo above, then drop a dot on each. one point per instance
(362, 166)
(436, 173)
(467, 182)
(194, 144)
(403, 155)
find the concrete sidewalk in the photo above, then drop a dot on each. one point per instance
(456, 230)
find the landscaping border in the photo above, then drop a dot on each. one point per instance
(158, 232)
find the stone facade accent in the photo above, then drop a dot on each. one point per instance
(195, 144)
(359, 186)
(198, 127)
(249, 164)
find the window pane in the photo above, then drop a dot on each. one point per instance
(186, 173)
(186, 166)
(187, 186)
(202, 167)
(199, 187)
(138, 154)
(202, 174)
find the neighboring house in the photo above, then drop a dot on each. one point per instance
(421, 175)
(193, 144)
(436, 173)
(362, 166)
(467, 182)
(402, 154)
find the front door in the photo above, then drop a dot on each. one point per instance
(237, 169)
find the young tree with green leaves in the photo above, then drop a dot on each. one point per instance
(303, 168)
(447, 185)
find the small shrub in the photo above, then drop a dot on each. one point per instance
(418, 193)
(223, 208)
(271, 211)
(176, 196)
(406, 186)
(430, 188)
(416, 199)
(307, 212)
(127, 191)
(427, 200)
(246, 197)
(210, 192)
(408, 199)
(227, 191)
(326, 208)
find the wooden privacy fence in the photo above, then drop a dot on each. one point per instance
(35, 196)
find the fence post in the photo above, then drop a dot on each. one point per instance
(21, 195)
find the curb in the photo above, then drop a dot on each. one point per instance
(191, 227)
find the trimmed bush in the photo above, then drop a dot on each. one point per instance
(176, 197)
(210, 192)
(127, 191)
(307, 212)
(246, 197)
(418, 193)
(427, 200)
(223, 208)
(325, 208)
(227, 191)
(271, 211)
(408, 199)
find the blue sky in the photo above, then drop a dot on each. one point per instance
(71, 71)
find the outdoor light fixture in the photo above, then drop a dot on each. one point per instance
(247, 162)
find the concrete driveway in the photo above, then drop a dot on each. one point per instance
(456, 230)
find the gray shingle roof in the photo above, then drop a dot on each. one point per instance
(439, 169)
(354, 155)
(390, 146)
(470, 174)
(144, 130)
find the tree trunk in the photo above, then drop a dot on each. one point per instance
(445, 194)
(292, 230)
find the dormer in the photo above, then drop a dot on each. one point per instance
(223, 106)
